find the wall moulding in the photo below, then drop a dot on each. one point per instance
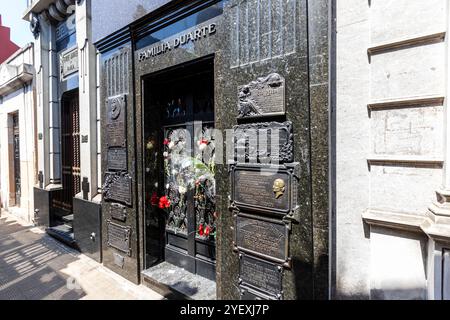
(407, 161)
(406, 43)
(406, 103)
(436, 228)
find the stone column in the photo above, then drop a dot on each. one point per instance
(42, 120)
(88, 99)
(54, 122)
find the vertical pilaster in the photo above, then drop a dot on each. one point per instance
(54, 152)
(42, 98)
(88, 98)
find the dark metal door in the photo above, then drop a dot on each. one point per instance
(16, 147)
(182, 153)
(70, 156)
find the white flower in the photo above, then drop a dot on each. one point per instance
(156, 184)
(171, 144)
(167, 186)
(202, 146)
(174, 172)
(165, 154)
(182, 190)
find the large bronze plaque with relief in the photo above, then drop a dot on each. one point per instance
(116, 121)
(267, 189)
(261, 275)
(265, 238)
(264, 142)
(117, 187)
(264, 96)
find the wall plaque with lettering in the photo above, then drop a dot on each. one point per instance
(117, 187)
(262, 237)
(264, 142)
(266, 189)
(260, 275)
(263, 97)
(116, 121)
(118, 237)
(118, 212)
(68, 62)
(117, 159)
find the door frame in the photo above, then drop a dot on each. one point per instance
(144, 101)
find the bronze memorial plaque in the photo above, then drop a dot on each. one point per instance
(260, 275)
(267, 239)
(265, 189)
(118, 212)
(117, 159)
(263, 97)
(264, 142)
(118, 237)
(116, 135)
(117, 187)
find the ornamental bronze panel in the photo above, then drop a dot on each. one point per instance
(117, 187)
(263, 97)
(261, 275)
(116, 122)
(117, 159)
(265, 238)
(264, 142)
(118, 237)
(265, 189)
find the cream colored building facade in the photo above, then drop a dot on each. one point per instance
(392, 132)
(17, 134)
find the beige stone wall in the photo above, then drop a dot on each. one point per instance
(390, 146)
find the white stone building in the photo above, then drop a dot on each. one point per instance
(17, 134)
(392, 150)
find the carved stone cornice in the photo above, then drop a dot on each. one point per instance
(435, 226)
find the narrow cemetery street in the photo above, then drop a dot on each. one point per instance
(34, 266)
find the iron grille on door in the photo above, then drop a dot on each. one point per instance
(70, 143)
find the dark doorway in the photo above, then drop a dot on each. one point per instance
(16, 151)
(179, 167)
(61, 219)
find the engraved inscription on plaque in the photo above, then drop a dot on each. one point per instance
(263, 238)
(116, 122)
(265, 189)
(263, 97)
(260, 274)
(117, 159)
(264, 142)
(118, 237)
(118, 212)
(117, 187)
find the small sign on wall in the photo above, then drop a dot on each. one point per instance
(68, 62)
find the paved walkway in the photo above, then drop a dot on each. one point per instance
(34, 266)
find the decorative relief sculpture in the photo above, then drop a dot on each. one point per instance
(279, 147)
(263, 97)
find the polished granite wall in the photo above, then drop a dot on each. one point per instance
(245, 48)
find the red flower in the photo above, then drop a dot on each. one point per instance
(154, 200)
(200, 229)
(203, 141)
(166, 141)
(164, 202)
(207, 230)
